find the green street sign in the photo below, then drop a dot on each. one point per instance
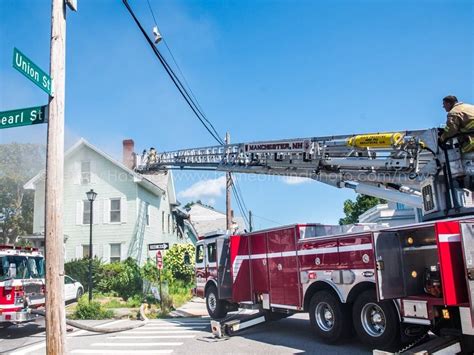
(24, 117)
(29, 69)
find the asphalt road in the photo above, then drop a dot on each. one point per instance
(180, 336)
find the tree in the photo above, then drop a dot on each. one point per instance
(174, 261)
(353, 209)
(18, 164)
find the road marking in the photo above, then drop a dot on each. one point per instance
(153, 337)
(125, 352)
(42, 344)
(160, 327)
(160, 331)
(136, 344)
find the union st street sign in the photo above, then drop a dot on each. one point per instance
(29, 69)
(159, 246)
(23, 117)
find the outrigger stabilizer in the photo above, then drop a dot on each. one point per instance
(229, 327)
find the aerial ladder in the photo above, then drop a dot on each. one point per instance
(409, 167)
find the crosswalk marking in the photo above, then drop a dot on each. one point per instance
(118, 352)
(137, 344)
(171, 328)
(152, 337)
(160, 331)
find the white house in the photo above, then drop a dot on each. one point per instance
(391, 214)
(205, 219)
(130, 211)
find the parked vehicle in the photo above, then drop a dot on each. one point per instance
(73, 289)
(21, 283)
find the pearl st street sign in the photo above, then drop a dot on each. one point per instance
(23, 117)
(29, 69)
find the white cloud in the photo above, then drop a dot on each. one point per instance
(295, 180)
(205, 189)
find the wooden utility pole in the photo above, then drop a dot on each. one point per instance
(228, 208)
(54, 236)
(250, 221)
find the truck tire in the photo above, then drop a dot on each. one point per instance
(215, 307)
(329, 318)
(376, 323)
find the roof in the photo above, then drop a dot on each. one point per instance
(211, 220)
(138, 178)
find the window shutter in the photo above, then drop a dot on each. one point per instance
(95, 217)
(150, 220)
(95, 250)
(106, 209)
(77, 173)
(123, 210)
(106, 253)
(78, 251)
(123, 251)
(79, 212)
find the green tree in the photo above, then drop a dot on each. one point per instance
(18, 164)
(353, 209)
(173, 261)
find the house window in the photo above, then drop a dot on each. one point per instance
(163, 221)
(85, 172)
(115, 252)
(115, 210)
(147, 214)
(86, 212)
(85, 251)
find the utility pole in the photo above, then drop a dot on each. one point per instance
(250, 221)
(54, 235)
(228, 208)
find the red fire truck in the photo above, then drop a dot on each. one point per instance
(21, 283)
(384, 285)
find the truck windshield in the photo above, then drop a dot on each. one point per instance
(26, 267)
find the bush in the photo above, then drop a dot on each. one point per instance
(173, 261)
(79, 269)
(122, 278)
(93, 310)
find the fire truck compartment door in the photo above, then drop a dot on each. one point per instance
(389, 265)
(224, 277)
(467, 233)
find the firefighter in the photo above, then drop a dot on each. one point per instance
(460, 120)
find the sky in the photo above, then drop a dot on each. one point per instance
(261, 70)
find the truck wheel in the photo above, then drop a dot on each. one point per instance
(329, 318)
(376, 323)
(215, 307)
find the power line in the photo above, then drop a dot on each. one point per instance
(266, 219)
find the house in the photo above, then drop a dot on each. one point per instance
(130, 211)
(206, 219)
(391, 214)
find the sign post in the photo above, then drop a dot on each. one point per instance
(159, 266)
(24, 117)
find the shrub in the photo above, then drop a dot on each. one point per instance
(173, 261)
(92, 310)
(122, 278)
(79, 269)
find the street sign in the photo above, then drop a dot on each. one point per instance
(159, 260)
(159, 246)
(29, 69)
(23, 117)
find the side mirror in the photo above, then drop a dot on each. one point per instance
(187, 260)
(12, 270)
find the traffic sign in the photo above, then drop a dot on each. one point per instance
(159, 246)
(159, 260)
(23, 117)
(29, 69)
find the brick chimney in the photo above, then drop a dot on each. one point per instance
(128, 153)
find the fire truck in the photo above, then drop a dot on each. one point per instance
(386, 285)
(22, 286)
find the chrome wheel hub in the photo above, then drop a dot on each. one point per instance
(373, 319)
(324, 316)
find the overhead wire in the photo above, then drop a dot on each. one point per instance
(189, 97)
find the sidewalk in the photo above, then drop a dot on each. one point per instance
(196, 307)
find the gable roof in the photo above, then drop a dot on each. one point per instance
(137, 178)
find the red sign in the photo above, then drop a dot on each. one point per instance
(159, 260)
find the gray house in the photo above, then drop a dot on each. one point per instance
(130, 211)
